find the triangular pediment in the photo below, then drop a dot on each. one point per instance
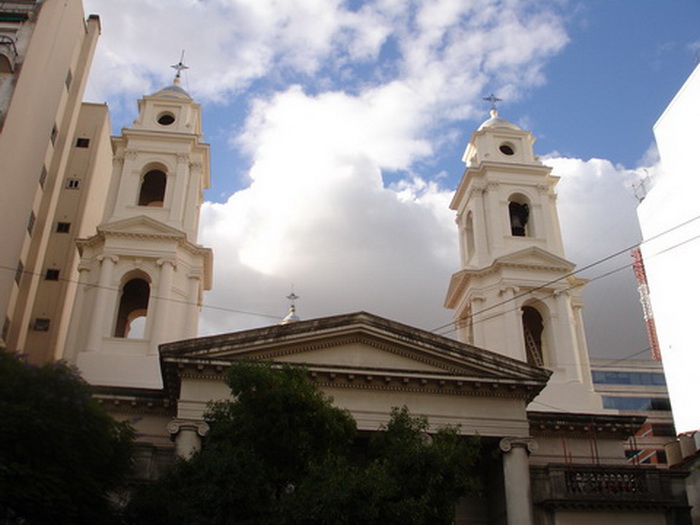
(531, 258)
(140, 225)
(359, 347)
(535, 257)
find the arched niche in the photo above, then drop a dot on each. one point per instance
(519, 215)
(133, 306)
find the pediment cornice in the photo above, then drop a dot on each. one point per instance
(431, 363)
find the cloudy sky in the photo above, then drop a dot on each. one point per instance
(337, 129)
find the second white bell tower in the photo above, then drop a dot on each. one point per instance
(143, 274)
(515, 293)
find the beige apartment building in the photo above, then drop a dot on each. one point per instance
(46, 48)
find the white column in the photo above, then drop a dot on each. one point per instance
(102, 296)
(516, 474)
(512, 323)
(192, 307)
(481, 228)
(128, 186)
(70, 350)
(179, 188)
(478, 304)
(160, 315)
(193, 199)
(187, 435)
(495, 227)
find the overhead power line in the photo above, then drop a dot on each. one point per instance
(577, 271)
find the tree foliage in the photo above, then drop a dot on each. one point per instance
(60, 452)
(280, 452)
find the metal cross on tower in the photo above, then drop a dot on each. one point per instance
(180, 66)
(493, 99)
(292, 297)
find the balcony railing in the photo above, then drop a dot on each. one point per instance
(579, 484)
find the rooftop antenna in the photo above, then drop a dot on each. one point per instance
(493, 99)
(179, 67)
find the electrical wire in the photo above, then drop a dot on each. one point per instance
(576, 271)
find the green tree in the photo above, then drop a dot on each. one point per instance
(279, 452)
(60, 453)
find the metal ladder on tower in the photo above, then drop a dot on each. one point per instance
(532, 349)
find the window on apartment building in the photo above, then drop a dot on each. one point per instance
(52, 274)
(63, 227)
(636, 403)
(663, 429)
(18, 272)
(73, 184)
(69, 79)
(42, 177)
(82, 142)
(54, 134)
(41, 324)
(605, 377)
(5, 328)
(31, 222)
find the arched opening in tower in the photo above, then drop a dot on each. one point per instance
(533, 331)
(519, 216)
(133, 309)
(152, 189)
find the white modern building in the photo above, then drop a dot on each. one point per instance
(669, 217)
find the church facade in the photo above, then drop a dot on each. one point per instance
(126, 303)
(551, 453)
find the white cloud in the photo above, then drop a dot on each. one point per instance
(597, 212)
(318, 215)
(350, 94)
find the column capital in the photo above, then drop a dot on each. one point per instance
(508, 443)
(106, 257)
(177, 425)
(162, 262)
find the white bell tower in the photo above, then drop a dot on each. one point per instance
(515, 294)
(142, 275)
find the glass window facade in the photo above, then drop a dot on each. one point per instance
(628, 378)
(636, 403)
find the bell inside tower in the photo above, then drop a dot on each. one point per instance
(519, 212)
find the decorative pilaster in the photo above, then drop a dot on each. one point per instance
(102, 295)
(192, 321)
(512, 323)
(187, 435)
(165, 284)
(516, 474)
(179, 188)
